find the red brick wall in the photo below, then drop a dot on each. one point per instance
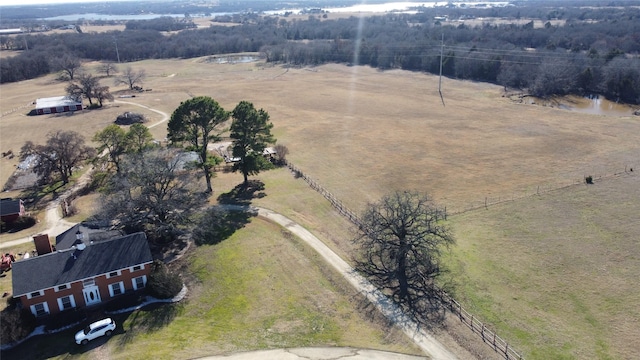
(51, 296)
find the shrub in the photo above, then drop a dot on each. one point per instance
(589, 179)
(281, 154)
(64, 319)
(163, 284)
(124, 302)
(16, 324)
(130, 118)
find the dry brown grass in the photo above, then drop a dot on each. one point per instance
(361, 133)
(8, 53)
(92, 28)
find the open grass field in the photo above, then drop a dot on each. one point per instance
(361, 133)
(557, 273)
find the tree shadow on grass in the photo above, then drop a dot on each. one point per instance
(429, 313)
(243, 194)
(218, 224)
(38, 197)
(149, 319)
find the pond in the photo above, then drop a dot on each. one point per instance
(596, 105)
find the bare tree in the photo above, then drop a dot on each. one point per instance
(102, 94)
(131, 78)
(68, 64)
(63, 152)
(88, 86)
(108, 68)
(153, 193)
(400, 240)
(281, 154)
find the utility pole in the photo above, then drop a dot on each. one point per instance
(115, 40)
(440, 80)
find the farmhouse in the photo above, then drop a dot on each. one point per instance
(57, 104)
(11, 209)
(85, 274)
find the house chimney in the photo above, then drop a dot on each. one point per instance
(43, 246)
(79, 244)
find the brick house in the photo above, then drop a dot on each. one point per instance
(86, 274)
(11, 209)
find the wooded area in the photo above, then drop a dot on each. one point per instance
(595, 51)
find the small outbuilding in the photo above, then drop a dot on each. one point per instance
(11, 209)
(57, 104)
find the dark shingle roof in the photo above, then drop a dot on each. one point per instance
(66, 239)
(9, 206)
(60, 267)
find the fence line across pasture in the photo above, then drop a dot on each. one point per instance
(4, 113)
(489, 337)
(628, 169)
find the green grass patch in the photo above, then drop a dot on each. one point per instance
(258, 289)
(553, 274)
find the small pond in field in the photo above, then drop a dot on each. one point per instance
(596, 105)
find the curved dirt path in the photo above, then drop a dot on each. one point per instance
(432, 347)
(324, 353)
(56, 225)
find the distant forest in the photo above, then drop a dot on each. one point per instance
(595, 51)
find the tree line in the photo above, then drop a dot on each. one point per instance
(583, 57)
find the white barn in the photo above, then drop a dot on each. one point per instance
(57, 104)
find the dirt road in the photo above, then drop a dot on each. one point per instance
(432, 347)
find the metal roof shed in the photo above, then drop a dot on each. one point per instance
(57, 104)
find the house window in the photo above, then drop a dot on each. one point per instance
(116, 289)
(113, 274)
(88, 282)
(137, 267)
(66, 302)
(40, 309)
(62, 287)
(34, 294)
(139, 282)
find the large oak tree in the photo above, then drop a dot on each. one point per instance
(401, 239)
(154, 192)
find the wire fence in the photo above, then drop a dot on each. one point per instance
(7, 112)
(488, 336)
(594, 175)
(337, 204)
(477, 327)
